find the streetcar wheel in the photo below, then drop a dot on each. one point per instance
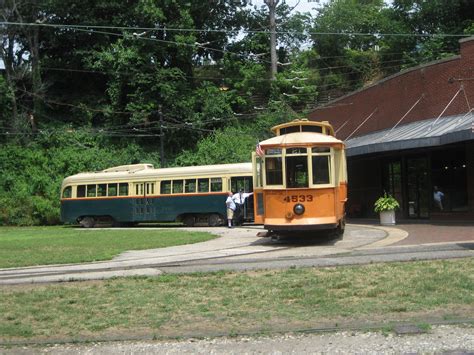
(214, 220)
(189, 221)
(87, 222)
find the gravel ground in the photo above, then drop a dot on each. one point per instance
(441, 339)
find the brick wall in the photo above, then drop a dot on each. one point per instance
(436, 83)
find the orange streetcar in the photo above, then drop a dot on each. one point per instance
(300, 179)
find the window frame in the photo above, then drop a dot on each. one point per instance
(331, 171)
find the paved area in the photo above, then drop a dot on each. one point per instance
(428, 232)
(244, 248)
(236, 242)
(441, 339)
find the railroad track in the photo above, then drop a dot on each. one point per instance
(236, 258)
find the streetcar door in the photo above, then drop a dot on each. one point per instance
(246, 183)
(144, 204)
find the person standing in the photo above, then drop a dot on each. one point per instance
(239, 200)
(230, 209)
(438, 198)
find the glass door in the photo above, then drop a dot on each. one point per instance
(418, 187)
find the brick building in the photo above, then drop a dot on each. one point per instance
(411, 134)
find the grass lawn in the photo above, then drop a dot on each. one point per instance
(231, 302)
(60, 245)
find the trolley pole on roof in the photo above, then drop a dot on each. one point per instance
(162, 136)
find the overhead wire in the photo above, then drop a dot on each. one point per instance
(172, 29)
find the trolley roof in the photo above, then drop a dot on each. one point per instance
(301, 138)
(325, 125)
(142, 172)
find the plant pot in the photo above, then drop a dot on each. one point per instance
(387, 218)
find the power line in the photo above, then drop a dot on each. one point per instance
(171, 29)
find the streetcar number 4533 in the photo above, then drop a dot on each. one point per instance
(298, 198)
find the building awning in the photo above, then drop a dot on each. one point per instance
(420, 134)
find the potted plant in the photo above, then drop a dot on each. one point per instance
(386, 206)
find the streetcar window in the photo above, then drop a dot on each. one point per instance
(178, 186)
(165, 187)
(321, 169)
(216, 184)
(296, 150)
(67, 192)
(274, 171)
(150, 188)
(190, 186)
(91, 189)
(297, 171)
(203, 185)
(102, 190)
(259, 179)
(321, 149)
(81, 191)
(123, 189)
(112, 190)
(291, 129)
(317, 129)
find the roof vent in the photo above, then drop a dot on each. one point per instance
(130, 168)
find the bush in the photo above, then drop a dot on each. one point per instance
(32, 175)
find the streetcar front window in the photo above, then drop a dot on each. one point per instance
(296, 171)
(296, 162)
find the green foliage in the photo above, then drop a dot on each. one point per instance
(5, 103)
(386, 203)
(210, 83)
(32, 175)
(236, 143)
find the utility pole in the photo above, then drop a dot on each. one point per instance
(162, 140)
(272, 4)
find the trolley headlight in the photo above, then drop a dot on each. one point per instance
(298, 209)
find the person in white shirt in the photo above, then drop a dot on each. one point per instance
(230, 209)
(438, 198)
(239, 199)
